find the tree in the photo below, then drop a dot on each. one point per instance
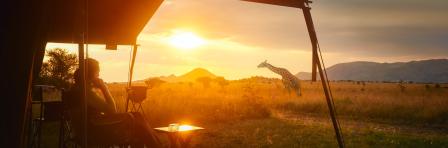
(205, 81)
(154, 82)
(58, 69)
(221, 82)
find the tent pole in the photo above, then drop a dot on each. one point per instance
(317, 65)
(313, 37)
(82, 72)
(131, 70)
(330, 105)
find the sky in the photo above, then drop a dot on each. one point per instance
(237, 36)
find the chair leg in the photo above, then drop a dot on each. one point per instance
(61, 133)
(141, 109)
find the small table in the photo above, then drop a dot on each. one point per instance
(179, 138)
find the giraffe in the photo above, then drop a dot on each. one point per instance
(289, 80)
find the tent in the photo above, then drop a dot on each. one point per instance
(30, 25)
(26, 28)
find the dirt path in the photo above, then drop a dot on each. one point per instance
(357, 125)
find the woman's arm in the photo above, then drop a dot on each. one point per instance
(109, 105)
(109, 99)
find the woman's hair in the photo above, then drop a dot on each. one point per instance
(92, 66)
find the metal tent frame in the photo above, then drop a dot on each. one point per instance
(317, 60)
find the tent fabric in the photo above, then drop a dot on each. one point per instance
(28, 25)
(109, 21)
(286, 3)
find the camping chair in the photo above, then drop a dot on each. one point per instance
(70, 134)
(49, 113)
(47, 99)
(136, 95)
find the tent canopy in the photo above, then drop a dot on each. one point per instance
(109, 21)
(286, 3)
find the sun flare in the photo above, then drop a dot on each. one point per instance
(185, 40)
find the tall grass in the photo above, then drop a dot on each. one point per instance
(257, 97)
(379, 101)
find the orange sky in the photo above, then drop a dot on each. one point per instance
(239, 35)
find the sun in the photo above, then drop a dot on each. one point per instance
(185, 40)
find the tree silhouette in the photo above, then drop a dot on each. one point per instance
(205, 81)
(58, 69)
(221, 82)
(154, 82)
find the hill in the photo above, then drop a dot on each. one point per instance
(429, 71)
(189, 76)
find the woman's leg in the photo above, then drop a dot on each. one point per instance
(145, 132)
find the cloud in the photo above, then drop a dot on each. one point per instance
(387, 28)
(405, 27)
(242, 34)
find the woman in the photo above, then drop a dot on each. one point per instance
(104, 124)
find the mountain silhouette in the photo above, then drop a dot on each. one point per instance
(189, 76)
(428, 71)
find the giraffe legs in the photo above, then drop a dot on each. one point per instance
(297, 88)
(287, 87)
(289, 92)
(298, 91)
(294, 87)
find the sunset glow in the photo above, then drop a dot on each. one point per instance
(184, 35)
(185, 128)
(185, 40)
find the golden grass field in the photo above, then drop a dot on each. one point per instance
(258, 112)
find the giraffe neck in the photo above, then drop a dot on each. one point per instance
(274, 69)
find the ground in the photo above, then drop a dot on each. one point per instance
(257, 112)
(307, 131)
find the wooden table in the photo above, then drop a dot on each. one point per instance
(179, 138)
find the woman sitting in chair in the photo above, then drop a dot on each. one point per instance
(105, 126)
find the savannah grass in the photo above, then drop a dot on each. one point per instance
(248, 113)
(257, 97)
